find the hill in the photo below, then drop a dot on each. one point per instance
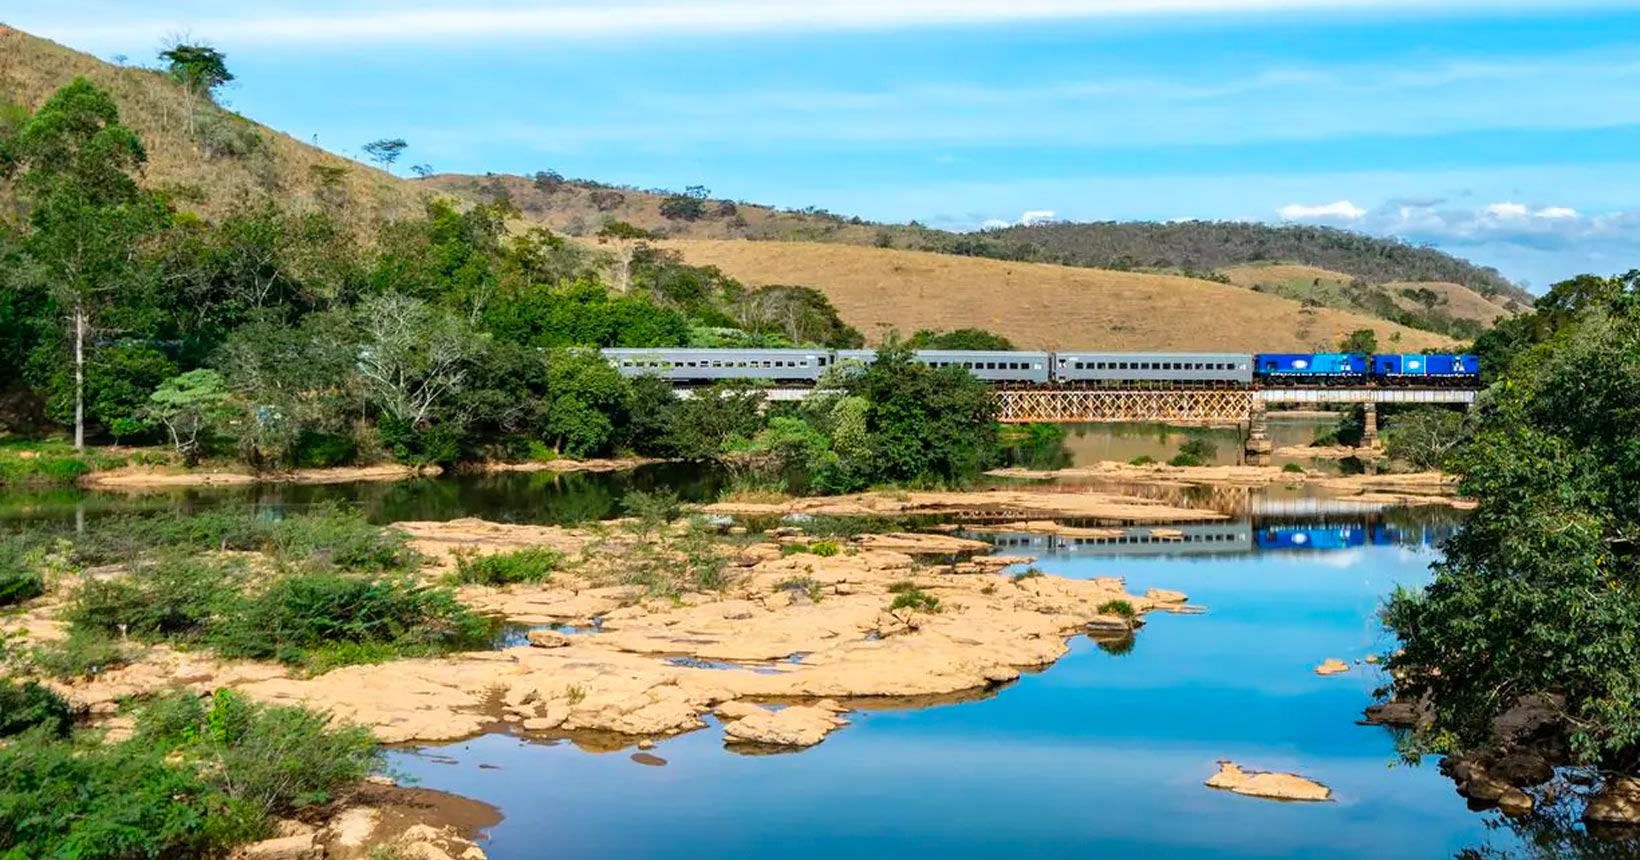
(1431, 305)
(1206, 246)
(205, 157)
(1040, 305)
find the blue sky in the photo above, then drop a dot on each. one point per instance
(1506, 132)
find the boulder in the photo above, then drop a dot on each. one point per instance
(299, 847)
(1274, 786)
(794, 726)
(547, 639)
(737, 709)
(1397, 714)
(1515, 802)
(1522, 768)
(1617, 802)
(1332, 666)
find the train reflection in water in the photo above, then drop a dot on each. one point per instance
(1245, 536)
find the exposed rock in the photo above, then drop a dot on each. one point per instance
(1398, 714)
(547, 639)
(1275, 786)
(1523, 768)
(1372, 659)
(1162, 595)
(1332, 666)
(353, 827)
(1515, 802)
(736, 709)
(648, 760)
(1617, 802)
(646, 744)
(794, 726)
(299, 847)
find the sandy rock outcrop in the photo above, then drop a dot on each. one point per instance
(1274, 786)
(794, 726)
(1617, 802)
(299, 847)
(1332, 666)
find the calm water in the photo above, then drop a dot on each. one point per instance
(1089, 444)
(1100, 755)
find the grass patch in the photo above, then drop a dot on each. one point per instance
(1027, 573)
(1119, 608)
(534, 564)
(82, 653)
(326, 535)
(802, 584)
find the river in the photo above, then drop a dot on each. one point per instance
(1102, 754)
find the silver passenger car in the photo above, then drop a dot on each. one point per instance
(1198, 368)
(713, 365)
(990, 366)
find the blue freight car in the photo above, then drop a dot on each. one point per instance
(1319, 365)
(1310, 537)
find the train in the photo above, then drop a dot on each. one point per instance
(1083, 369)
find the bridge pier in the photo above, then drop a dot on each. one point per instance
(1258, 448)
(1369, 436)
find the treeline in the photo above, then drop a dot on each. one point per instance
(279, 338)
(1205, 246)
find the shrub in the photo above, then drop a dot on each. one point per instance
(534, 564)
(273, 760)
(1183, 459)
(653, 509)
(1119, 608)
(805, 584)
(1294, 468)
(315, 450)
(28, 706)
(1027, 573)
(1199, 448)
(172, 598)
(824, 548)
(310, 612)
(17, 586)
(110, 802)
(327, 533)
(911, 600)
(1142, 460)
(82, 654)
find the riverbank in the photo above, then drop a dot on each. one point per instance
(142, 477)
(1014, 503)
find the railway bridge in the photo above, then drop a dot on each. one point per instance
(1246, 407)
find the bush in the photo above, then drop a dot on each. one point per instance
(327, 533)
(31, 706)
(1199, 448)
(315, 450)
(910, 600)
(1027, 573)
(653, 509)
(82, 654)
(335, 619)
(1294, 468)
(1183, 459)
(1142, 460)
(110, 802)
(272, 760)
(534, 564)
(1119, 608)
(18, 586)
(824, 549)
(173, 598)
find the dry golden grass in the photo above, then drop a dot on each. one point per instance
(1039, 305)
(1458, 301)
(1273, 274)
(279, 168)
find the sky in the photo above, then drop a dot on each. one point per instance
(1504, 132)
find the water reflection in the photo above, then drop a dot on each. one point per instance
(1101, 755)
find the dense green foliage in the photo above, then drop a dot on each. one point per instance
(962, 338)
(1537, 594)
(282, 339)
(197, 778)
(534, 564)
(29, 705)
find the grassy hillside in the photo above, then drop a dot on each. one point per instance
(1042, 305)
(219, 157)
(1433, 305)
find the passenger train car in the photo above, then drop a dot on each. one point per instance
(1095, 369)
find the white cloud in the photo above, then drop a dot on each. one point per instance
(1036, 216)
(1556, 212)
(1342, 209)
(579, 18)
(1507, 210)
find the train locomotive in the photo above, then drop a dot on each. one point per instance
(798, 367)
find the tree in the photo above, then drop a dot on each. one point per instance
(88, 218)
(1424, 438)
(683, 207)
(962, 338)
(1362, 341)
(1538, 593)
(412, 356)
(927, 425)
(189, 406)
(422, 171)
(386, 151)
(199, 70)
(586, 401)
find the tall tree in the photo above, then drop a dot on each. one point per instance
(88, 219)
(199, 70)
(386, 151)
